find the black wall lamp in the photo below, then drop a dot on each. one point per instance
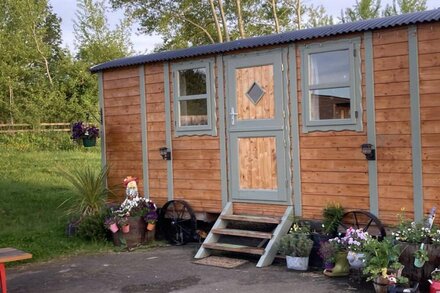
(368, 151)
(165, 153)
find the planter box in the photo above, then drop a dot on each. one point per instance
(297, 263)
(137, 235)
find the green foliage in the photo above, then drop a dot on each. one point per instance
(91, 228)
(421, 254)
(380, 257)
(30, 192)
(42, 141)
(363, 9)
(296, 244)
(89, 188)
(404, 6)
(332, 214)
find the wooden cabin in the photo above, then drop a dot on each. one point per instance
(267, 124)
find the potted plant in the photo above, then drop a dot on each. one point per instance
(332, 217)
(381, 260)
(110, 223)
(328, 251)
(435, 281)
(123, 223)
(86, 132)
(151, 216)
(341, 267)
(400, 284)
(296, 247)
(355, 240)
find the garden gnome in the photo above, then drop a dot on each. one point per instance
(131, 190)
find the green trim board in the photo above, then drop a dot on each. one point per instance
(297, 197)
(102, 120)
(286, 115)
(222, 131)
(143, 93)
(353, 84)
(166, 80)
(210, 128)
(371, 121)
(415, 122)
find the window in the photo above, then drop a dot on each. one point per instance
(194, 98)
(331, 86)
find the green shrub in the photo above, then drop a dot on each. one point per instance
(91, 228)
(296, 244)
(41, 141)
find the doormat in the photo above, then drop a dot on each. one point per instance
(221, 262)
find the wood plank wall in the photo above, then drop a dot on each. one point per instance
(429, 63)
(122, 127)
(155, 105)
(333, 169)
(393, 123)
(196, 166)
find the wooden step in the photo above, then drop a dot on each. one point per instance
(253, 219)
(243, 233)
(234, 248)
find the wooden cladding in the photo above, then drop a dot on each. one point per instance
(257, 163)
(122, 127)
(259, 76)
(429, 63)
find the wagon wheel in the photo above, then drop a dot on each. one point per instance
(177, 222)
(363, 220)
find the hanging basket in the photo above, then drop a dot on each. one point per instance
(89, 142)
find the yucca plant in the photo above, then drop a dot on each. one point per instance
(90, 191)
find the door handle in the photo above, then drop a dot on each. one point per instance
(233, 114)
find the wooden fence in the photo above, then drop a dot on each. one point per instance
(46, 127)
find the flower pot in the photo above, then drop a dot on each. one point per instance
(380, 284)
(89, 142)
(328, 265)
(341, 268)
(125, 228)
(114, 228)
(151, 226)
(297, 263)
(356, 259)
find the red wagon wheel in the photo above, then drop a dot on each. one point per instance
(363, 220)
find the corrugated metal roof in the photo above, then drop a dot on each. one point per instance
(276, 39)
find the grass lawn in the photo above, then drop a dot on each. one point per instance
(30, 193)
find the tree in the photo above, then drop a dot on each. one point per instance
(185, 23)
(96, 42)
(363, 9)
(28, 59)
(405, 6)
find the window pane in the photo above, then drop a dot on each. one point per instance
(330, 104)
(330, 67)
(192, 82)
(193, 112)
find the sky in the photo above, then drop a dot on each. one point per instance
(143, 43)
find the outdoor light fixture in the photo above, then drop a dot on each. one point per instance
(368, 151)
(165, 153)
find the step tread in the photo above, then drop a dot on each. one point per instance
(234, 248)
(243, 233)
(254, 219)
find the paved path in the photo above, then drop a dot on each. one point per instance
(166, 269)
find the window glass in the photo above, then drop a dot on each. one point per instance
(192, 82)
(193, 112)
(329, 67)
(330, 103)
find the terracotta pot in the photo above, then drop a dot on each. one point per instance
(126, 229)
(151, 227)
(114, 228)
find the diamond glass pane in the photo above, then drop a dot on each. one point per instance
(255, 93)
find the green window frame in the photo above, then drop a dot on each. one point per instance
(198, 99)
(338, 96)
